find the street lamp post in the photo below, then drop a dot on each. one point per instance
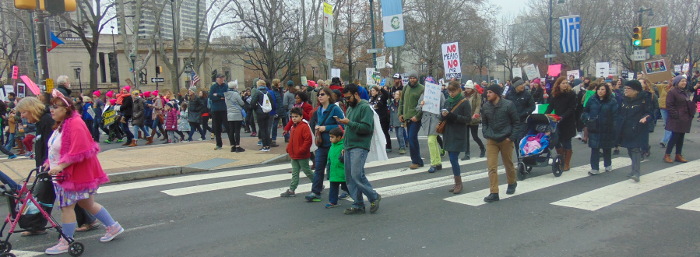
(549, 49)
(133, 66)
(80, 82)
(374, 40)
(641, 11)
(115, 64)
(313, 72)
(176, 62)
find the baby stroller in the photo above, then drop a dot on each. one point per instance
(536, 147)
(24, 203)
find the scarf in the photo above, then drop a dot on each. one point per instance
(454, 100)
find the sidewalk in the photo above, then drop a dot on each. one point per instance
(131, 163)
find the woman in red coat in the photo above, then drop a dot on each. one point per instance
(680, 109)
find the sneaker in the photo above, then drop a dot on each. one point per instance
(108, 141)
(511, 188)
(593, 172)
(578, 135)
(265, 149)
(343, 195)
(112, 232)
(432, 169)
(635, 178)
(663, 145)
(240, 149)
(120, 140)
(608, 169)
(375, 205)
(217, 148)
(11, 156)
(330, 205)
(254, 134)
(402, 150)
(288, 193)
(311, 197)
(354, 210)
(491, 198)
(259, 142)
(61, 247)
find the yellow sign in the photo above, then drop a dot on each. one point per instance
(49, 85)
(327, 8)
(108, 117)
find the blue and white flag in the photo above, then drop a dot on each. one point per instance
(392, 17)
(570, 34)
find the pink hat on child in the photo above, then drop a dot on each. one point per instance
(97, 93)
(112, 101)
(127, 88)
(110, 93)
(155, 93)
(147, 94)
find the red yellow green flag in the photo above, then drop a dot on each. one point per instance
(658, 37)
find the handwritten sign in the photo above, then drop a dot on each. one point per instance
(517, 72)
(602, 69)
(657, 70)
(431, 97)
(108, 117)
(531, 71)
(450, 59)
(575, 73)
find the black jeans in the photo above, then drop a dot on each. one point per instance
(234, 132)
(217, 119)
(194, 127)
(677, 141)
(474, 129)
(264, 129)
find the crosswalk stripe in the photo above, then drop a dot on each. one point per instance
(26, 253)
(273, 193)
(258, 180)
(693, 205)
(608, 195)
(218, 175)
(476, 198)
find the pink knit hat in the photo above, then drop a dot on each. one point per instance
(147, 94)
(97, 93)
(110, 93)
(127, 88)
(112, 101)
(155, 93)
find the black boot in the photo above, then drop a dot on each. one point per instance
(483, 153)
(491, 198)
(466, 156)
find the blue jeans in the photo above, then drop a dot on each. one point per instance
(333, 191)
(125, 128)
(595, 158)
(667, 134)
(400, 136)
(142, 128)
(8, 181)
(285, 120)
(320, 169)
(10, 141)
(413, 128)
(273, 132)
(454, 160)
(355, 177)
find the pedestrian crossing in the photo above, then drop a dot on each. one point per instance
(412, 181)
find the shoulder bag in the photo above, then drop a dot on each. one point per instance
(441, 126)
(317, 134)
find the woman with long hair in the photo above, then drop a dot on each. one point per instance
(681, 110)
(457, 114)
(72, 159)
(599, 118)
(379, 101)
(563, 103)
(475, 101)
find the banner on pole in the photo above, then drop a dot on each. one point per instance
(392, 20)
(450, 59)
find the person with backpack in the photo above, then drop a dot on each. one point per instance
(218, 108)
(263, 108)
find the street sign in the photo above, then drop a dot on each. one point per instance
(550, 55)
(374, 51)
(639, 55)
(49, 85)
(157, 80)
(328, 30)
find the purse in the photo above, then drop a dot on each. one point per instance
(317, 134)
(441, 125)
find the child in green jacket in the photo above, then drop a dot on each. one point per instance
(337, 168)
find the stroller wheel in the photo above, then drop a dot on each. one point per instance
(522, 173)
(557, 166)
(7, 255)
(76, 249)
(5, 247)
(528, 168)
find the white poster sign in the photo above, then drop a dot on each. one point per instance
(602, 69)
(369, 72)
(531, 71)
(335, 73)
(677, 68)
(328, 30)
(517, 72)
(450, 59)
(685, 68)
(575, 73)
(381, 62)
(431, 96)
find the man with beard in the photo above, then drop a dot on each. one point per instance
(359, 127)
(412, 117)
(398, 85)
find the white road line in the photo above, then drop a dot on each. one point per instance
(19, 253)
(274, 193)
(608, 195)
(215, 175)
(693, 205)
(257, 180)
(476, 198)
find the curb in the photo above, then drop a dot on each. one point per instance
(282, 158)
(151, 173)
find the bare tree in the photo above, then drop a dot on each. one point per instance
(10, 47)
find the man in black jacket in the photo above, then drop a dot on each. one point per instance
(524, 104)
(499, 119)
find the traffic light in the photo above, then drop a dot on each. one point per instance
(159, 69)
(53, 6)
(637, 36)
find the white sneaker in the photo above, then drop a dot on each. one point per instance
(61, 247)
(593, 172)
(578, 135)
(112, 232)
(608, 168)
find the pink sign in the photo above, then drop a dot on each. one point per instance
(15, 72)
(554, 70)
(32, 86)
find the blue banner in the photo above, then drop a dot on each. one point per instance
(392, 18)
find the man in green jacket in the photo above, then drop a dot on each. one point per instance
(412, 117)
(359, 127)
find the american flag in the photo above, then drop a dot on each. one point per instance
(570, 34)
(193, 79)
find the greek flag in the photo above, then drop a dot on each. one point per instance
(570, 34)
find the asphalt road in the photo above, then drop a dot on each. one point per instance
(237, 213)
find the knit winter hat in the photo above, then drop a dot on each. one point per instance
(97, 93)
(112, 101)
(469, 84)
(635, 85)
(677, 80)
(110, 94)
(496, 89)
(147, 94)
(154, 93)
(127, 88)
(311, 83)
(290, 83)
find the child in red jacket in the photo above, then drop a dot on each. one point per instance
(299, 149)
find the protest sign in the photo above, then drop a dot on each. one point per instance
(531, 72)
(657, 71)
(602, 69)
(450, 59)
(554, 70)
(431, 97)
(517, 72)
(575, 73)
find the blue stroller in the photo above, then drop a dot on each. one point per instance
(536, 147)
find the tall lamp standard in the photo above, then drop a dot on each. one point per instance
(133, 66)
(549, 50)
(115, 63)
(80, 82)
(374, 40)
(175, 41)
(313, 72)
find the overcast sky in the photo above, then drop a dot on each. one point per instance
(510, 7)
